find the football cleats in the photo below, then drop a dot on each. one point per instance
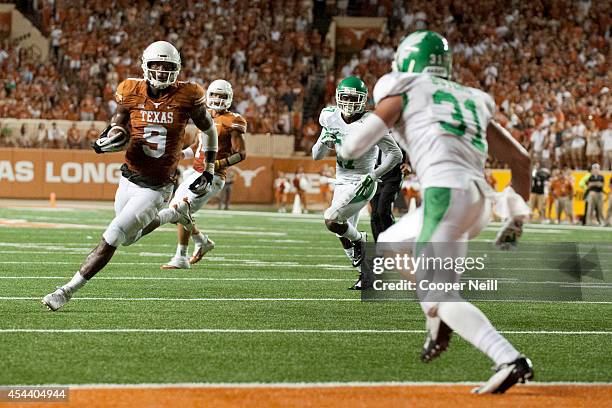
(351, 95)
(113, 139)
(165, 53)
(223, 95)
(424, 51)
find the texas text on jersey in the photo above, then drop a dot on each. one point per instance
(156, 129)
(225, 123)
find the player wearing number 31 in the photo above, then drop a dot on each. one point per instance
(356, 179)
(150, 119)
(447, 130)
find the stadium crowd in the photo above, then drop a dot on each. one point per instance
(544, 61)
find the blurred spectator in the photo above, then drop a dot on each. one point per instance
(300, 183)
(226, 193)
(281, 188)
(310, 135)
(73, 137)
(91, 135)
(595, 184)
(42, 139)
(55, 137)
(607, 147)
(537, 198)
(562, 193)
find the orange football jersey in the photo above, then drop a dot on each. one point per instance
(225, 124)
(157, 127)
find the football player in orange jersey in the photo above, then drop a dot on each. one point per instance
(230, 127)
(156, 109)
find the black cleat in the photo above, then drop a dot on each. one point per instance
(506, 376)
(359, 250)
(433, 347)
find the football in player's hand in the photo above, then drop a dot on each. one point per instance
(119, 135)
(113, 139)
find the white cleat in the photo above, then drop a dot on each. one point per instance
(201, 250)
(507, 375)
(56, 299)
(177, 262)
(184, 214)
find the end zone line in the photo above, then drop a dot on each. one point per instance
(287, 331)
(331, 384)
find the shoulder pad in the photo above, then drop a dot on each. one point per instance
(325, 114)
(127, 89)
(394, 83)
(238, 122)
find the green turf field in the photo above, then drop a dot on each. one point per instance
(269, 304)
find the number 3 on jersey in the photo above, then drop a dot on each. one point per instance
(155, 137)
(459, 129)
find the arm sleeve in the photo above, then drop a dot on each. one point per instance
(365, 136)
(393, 155)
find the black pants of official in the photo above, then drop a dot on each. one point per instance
(382, 214)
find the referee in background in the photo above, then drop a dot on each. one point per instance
(386, 193)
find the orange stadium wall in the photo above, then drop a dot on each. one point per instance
(84, 175)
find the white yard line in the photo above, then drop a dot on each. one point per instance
(176, 278)
(290, 331)
(156, 299)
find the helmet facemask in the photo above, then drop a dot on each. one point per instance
(218, 100)
(160, 74)
(351, 101)
(219, 95)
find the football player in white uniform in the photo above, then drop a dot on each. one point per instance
(447, 130)
(356, 179)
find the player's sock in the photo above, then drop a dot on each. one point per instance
(352, 233)
(200, 238)
(167, 215)
(471, 324)
(76, 283)
(181, 250)
(349, 253)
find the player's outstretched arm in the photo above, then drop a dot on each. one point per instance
(324, 144)
(238, 151)
(374, 128)
(505, 148)
(210, 143)
(393, 155)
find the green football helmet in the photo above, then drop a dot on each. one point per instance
(424, 51)
(351, 95)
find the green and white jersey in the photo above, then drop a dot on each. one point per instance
(351, 171)
(442, 127)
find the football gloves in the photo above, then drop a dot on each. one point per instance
(202, 184)
(329, 139)
(366, 184)
(113, 139)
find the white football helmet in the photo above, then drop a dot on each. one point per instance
(219, 87)
(161, 51)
